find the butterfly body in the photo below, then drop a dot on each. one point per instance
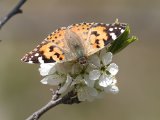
(75, 42)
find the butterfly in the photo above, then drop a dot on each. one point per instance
(75, 42)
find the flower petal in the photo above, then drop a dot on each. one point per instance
(86, 93)
(113, 69)
(52, 80)
(66, 85)
(106, 58)
(113, 89)
(114, 81)
(94, 61)
(94, 74)
(77, 80)
(47, 68)
(105, 80)
(89, 83)
(90, 67)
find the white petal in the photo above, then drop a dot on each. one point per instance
(86, 93)
(94, 61)
(46, 68)
(113, 89)
(94, 74)
(77, 80)
(82, 96)
(66, 85)
(89, 83)
(107, 58)
(90, 68)
(102, 52)
(92, 91)
(105, 80)
(52, 80)
(114, 81)
(52, 70)
(113, 69)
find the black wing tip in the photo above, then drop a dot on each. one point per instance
(36, 58)
(27, 59)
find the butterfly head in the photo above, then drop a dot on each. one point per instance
(82, 60)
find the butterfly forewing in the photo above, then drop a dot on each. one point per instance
(100, 35)
(51, 50)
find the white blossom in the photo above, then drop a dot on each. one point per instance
(90, 81)
(94, 74)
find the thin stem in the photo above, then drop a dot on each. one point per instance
(69, 98)
(14, 11)
(36, 115)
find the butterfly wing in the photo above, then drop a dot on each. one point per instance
(100, 35)
(91, 38)
(51, 50)
(82, 30)
(55, 48)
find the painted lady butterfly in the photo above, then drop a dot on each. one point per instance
(75, 42)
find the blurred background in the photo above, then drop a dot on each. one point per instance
(21, 92)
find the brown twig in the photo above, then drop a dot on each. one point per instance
(36, 115)
(14, 11)
(69, 98)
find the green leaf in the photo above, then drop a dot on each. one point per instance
(122, 41)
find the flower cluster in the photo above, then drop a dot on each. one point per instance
(89, 81)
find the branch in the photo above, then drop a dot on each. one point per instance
(70, 98)
(36, 115)
(14, 11)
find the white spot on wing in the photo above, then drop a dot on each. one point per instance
(69, 26)
(37, 54)
(113, 35)
(122, 31)
(110, 29)
(35, 49)
(30, 62)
